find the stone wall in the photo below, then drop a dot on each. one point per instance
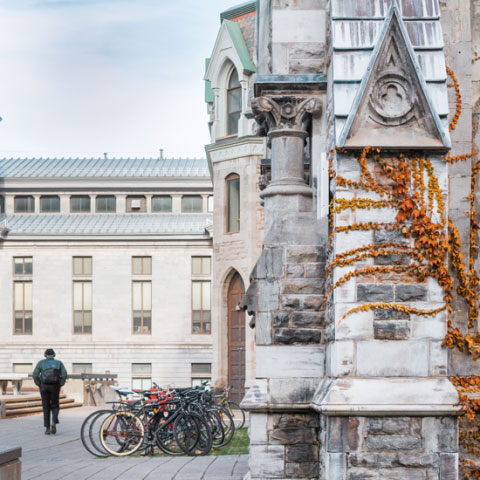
(393, 448)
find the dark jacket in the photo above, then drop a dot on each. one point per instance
(45, 364)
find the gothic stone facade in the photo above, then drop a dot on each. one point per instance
(351, 377)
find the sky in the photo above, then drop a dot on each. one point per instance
(82, 77)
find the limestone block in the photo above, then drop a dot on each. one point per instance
(387, 215)
(281, 319)
(302, 453)
(372, 460)
(438, 359)
(340, 358)
(268, 293)
(310, 26)
(336, 466)
(349, 241)
(440, 434)
(292, 391)
(378, 443)
(354, 325)
(389, 425)
(291, 336)
(302, 286)
(435, 291)
(429, 327)
(384, 236)
(257, 429)
(290, 361)
(302, 470)
(410, 293)
(345, 434)
(293, 436)
(392, 359)
(373, 292)
(306, 254)
(391, 329)
(386, 473)
(308, 319)
(426, 460)
(449, 466)
(267, 461)
(263, 328)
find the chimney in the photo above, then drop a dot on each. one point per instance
(105, 155)
(161, 154)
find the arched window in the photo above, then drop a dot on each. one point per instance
(233, 203)
(234, 103)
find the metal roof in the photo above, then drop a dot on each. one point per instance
(102, 167)
(238, 10)
(106, 224)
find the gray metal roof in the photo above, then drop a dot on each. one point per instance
(106, 224)
(102, 167)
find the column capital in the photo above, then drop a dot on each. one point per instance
(284, 115)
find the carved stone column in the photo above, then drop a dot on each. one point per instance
(285, 119)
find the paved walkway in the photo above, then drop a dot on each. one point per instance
(63, 456)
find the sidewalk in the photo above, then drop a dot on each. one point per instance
(63, 456)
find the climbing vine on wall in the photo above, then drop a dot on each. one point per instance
(407, 183)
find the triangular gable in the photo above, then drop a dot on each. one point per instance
(235, 36)
(393, 109)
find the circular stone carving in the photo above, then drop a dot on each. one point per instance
(391, 100)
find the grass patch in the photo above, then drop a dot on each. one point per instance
(237, 446)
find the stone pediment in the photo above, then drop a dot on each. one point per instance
(392, 109)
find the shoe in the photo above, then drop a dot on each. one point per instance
(54, 430)
(47, 431)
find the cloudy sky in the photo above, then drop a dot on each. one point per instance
(83, 77)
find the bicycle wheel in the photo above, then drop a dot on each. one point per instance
(204, 442)
(215, 423)
(227, 423)
(235, 406)
(122, 434)
(186, 432)
(86, 437)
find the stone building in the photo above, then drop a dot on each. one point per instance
(108, 261)
(234, 158)
(360, 279)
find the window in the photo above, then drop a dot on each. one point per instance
(142, 265)
(233, 203)
(22, 265)
(234, 103)
(136, 204)
(22, 368)
(201, 322)
(24, 204)
(201, 372)
(210, 203)
(162, 203)
(82, 307)
(2, 204)
(49, 203)
(142, 307)
(82, 265)
(141, 376)
(79, 368)
(106, 204)
(79, 203)
(201, 265)
(192, 203)
(23, 299)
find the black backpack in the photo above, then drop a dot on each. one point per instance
(50, 376)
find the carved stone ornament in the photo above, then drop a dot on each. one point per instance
(392, 109)
(284, 113)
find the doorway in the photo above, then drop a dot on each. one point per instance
(236, 339)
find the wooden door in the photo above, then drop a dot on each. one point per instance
(236, 339)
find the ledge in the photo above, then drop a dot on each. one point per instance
(9, 454)
(386, 396)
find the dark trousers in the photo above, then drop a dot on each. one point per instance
(50, 403)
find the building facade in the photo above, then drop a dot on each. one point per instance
(362, 306)
(108, 261)
(234, 157)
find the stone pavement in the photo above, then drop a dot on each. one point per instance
(63, 456)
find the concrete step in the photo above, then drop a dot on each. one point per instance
(34, 403)
(24, 398)
(32, 410)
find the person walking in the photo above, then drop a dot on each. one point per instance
(49, 375)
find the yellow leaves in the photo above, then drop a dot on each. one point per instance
(395, 306)
(458, 110)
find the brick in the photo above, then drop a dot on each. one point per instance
(302, 287)
(281, 319)
(308, 319)
(418, 460)
(293, 436)
(302, 470)
(390, 443)
(302, 453)
(290, 336)
(390, 314)
(374, 293)
(410, 293)
(388, 425)
(391, 330)
(295, 271)
(306, 254)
